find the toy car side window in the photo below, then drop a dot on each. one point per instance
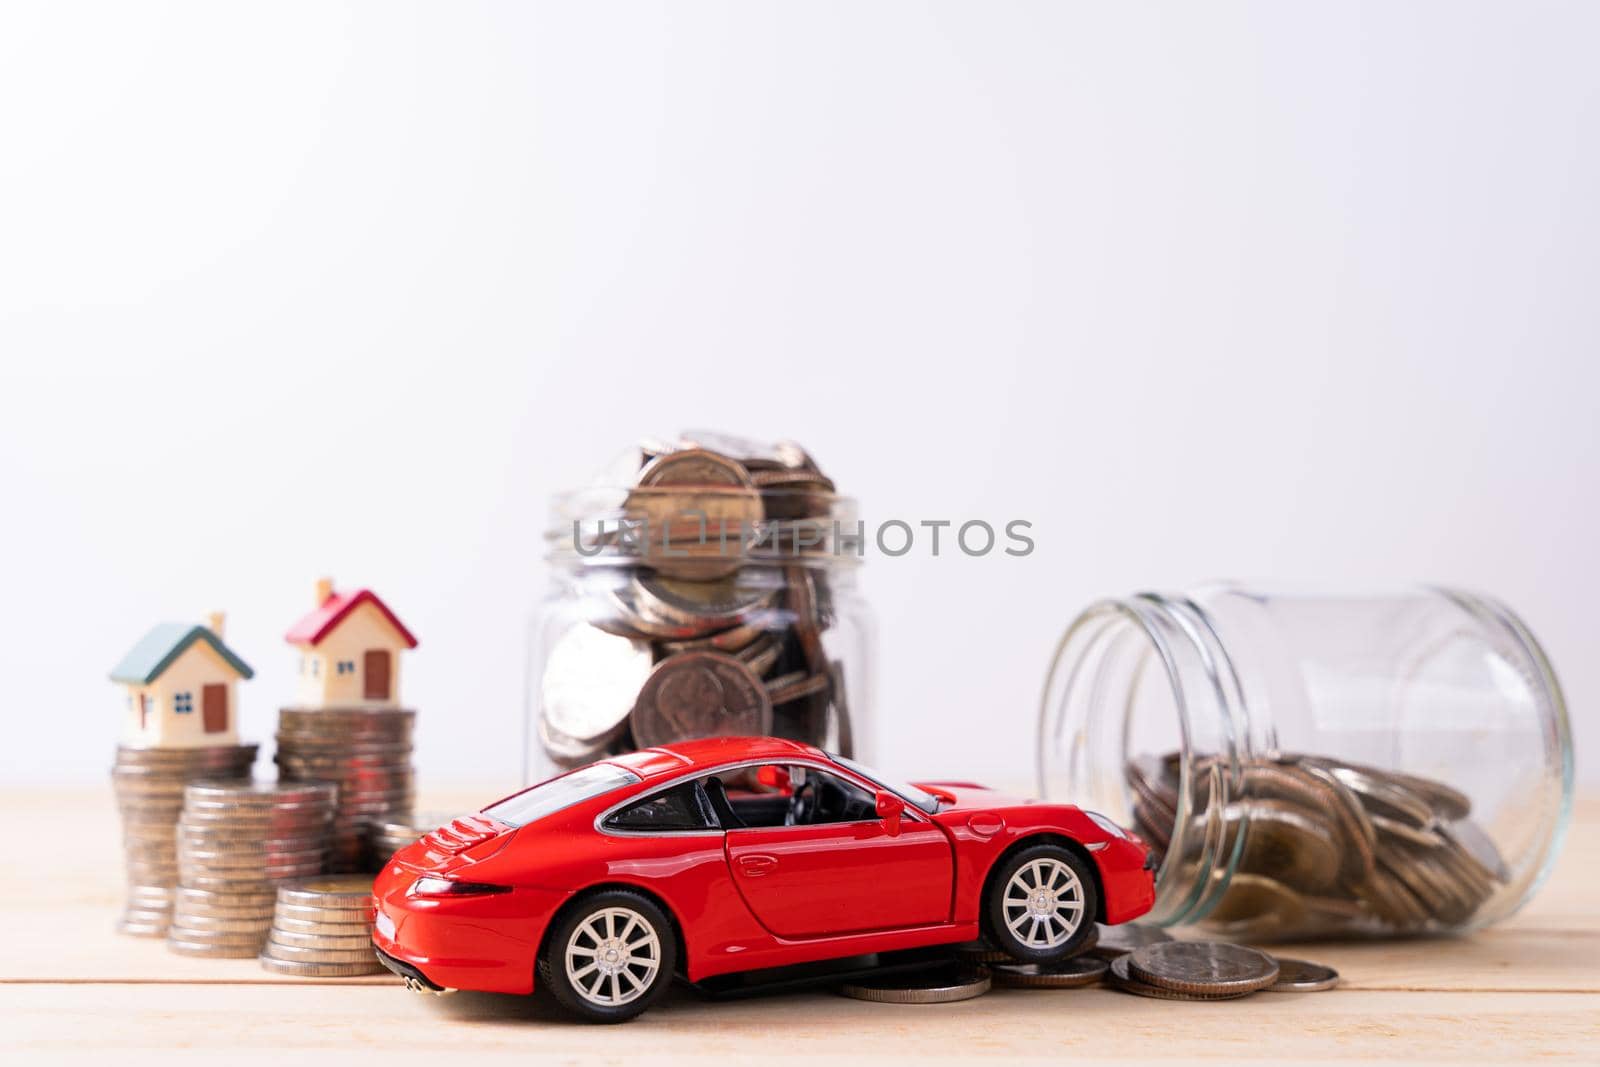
(682, 807)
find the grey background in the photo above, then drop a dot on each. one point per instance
(1290, 291)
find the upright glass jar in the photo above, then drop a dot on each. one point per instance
(707, 587)
(1311, 765)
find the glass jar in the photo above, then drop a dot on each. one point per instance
(706, 587)
(1309, 765)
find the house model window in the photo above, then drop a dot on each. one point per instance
(183, 703)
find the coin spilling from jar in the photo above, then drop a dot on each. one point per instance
(706, 609)
(1323, 844)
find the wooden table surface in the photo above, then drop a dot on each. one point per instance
(71, 988)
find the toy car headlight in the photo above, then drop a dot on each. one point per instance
(1107, 825)
(432, 886)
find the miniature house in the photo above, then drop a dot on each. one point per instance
(350, 649)
(179, 682)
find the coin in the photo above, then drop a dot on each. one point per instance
(700, 694)
(1288, 844)
(298, 939)
(205, 935)
(316, 913)
(1203, 967)
(191, 921)
(1328, 845)
(981, 951)
(937, 984)
(700, 606)
(316, 928)
(1302, 976)
(1113, 941)
(206, 948)
(301, 954)
(333, 891)
(699, 512)
(591, 681)
(321, 970)
(1119, 975)
(1068, 974)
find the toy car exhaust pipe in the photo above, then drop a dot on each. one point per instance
(417, 985)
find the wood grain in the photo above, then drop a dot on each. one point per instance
(71, 988)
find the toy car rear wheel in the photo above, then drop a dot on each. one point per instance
(609, 956)
(1041, 904)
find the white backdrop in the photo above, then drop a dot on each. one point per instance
(1288, 291)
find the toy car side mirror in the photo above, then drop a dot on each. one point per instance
(773, 778)
(889, 809)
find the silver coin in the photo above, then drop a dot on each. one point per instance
(253, 925)
(301, 969)
(300, 954)
(297, 939)
(210, 950)
(937, 984)
(1120, 976)
(319, 914)
(1074, 973)
(210, 935)
(317, 928)
(704, 606)
(590, 682)
(343, 891)
(1203, 967)
(1302, 976)
(1114, 941)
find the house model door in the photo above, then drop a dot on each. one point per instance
(375, 675)
(214, 708)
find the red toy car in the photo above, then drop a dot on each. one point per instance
(736, 854)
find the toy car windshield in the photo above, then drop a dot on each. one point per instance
(547, 798)
(904, 790)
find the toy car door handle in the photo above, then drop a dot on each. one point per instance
(758, 864)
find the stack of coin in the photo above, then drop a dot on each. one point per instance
(711, 619)
(1194, 970)
(1324, 845)
(149, 786)
(236, 842)
(366, 752)
(322, 928)
(391, 836)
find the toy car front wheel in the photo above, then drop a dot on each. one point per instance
(609, 956)
(1041, 904)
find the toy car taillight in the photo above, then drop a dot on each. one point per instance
(431, 886)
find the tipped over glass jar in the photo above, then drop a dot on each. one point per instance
(704, 586)
(1312, 765)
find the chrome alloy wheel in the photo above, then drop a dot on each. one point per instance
(1043, 904)
(612, 957)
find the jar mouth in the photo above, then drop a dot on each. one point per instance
(703, 531)
(1153, 658)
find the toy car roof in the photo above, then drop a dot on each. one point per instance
(710, 752)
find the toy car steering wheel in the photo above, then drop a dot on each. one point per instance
(802, 805)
